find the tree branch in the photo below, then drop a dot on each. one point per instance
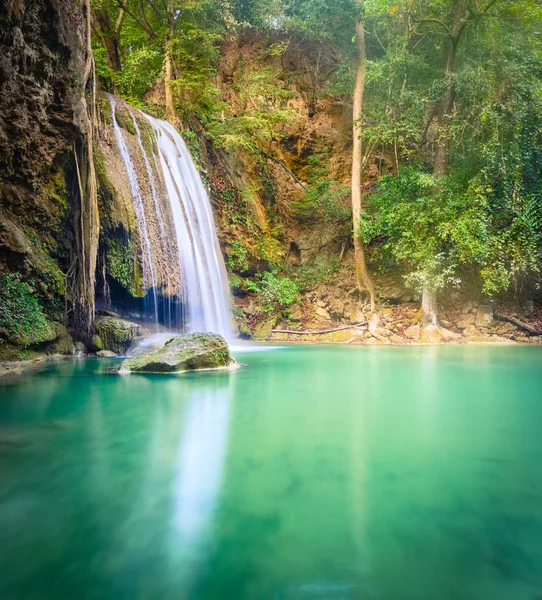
(285, 168)
(353, 326)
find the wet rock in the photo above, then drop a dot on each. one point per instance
(412, 332)
(189, 352)
(79, 349)
(484, 315)
(244, 330)
(118, 334)
(105, 354)
(96, 343)
(431, 335)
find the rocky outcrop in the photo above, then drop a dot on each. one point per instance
(189, 352)
(43, 124)
(116, 334)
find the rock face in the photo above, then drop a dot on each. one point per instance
(42, 117)
(41, 67)
(484, 316)
(117, 334)
(189, 352)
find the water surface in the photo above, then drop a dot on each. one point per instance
(316, 472)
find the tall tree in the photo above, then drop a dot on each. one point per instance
(362, 272)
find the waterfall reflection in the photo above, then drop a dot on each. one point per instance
(199, 467)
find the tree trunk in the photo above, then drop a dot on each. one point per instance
(170, 106)
(108, 37)
(81, 278)
(440, 161)
(429, 307)
(362, 273)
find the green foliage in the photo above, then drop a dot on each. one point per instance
(142, 67)
(326, 199)
(275, 293)
(22, 319)
(237, 258)
(319, 271)
(122, 266)
(262, 112)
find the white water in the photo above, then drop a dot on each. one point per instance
(204, 289)
(148, 266)
(205, 293)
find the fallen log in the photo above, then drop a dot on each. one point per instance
(353, 326)
(521, 324)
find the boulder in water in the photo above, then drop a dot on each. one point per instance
(117, 334)
(188, 352)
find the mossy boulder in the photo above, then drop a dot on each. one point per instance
(189, 352)
(117, 334)
(263, 329)
(96, 343)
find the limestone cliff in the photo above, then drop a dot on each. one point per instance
(42, 56)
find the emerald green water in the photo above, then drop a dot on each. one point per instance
(315, 472)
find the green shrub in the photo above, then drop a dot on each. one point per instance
(21, 317)
(276, 293)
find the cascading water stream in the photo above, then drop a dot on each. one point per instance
(148, 266)
(164, 240)
(198, 276)
(205, 292)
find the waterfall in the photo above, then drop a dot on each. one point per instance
(174, 184)
(139, 206)
(203, 274)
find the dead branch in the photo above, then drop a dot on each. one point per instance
(353, 326)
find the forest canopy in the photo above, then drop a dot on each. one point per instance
(451, 89)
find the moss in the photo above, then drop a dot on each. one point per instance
(190, 352)
(122, 265)
(116, 334)
(22, 320)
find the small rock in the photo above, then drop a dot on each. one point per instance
(373, 321)
(322, 312)
(529, 307)
(431, 335)
(412, 332)
(382, 332)
(105, 354)
(397, 339)
(504, 328)
(484, 315)
(470, 330)
(449, 336)
(467, 307)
